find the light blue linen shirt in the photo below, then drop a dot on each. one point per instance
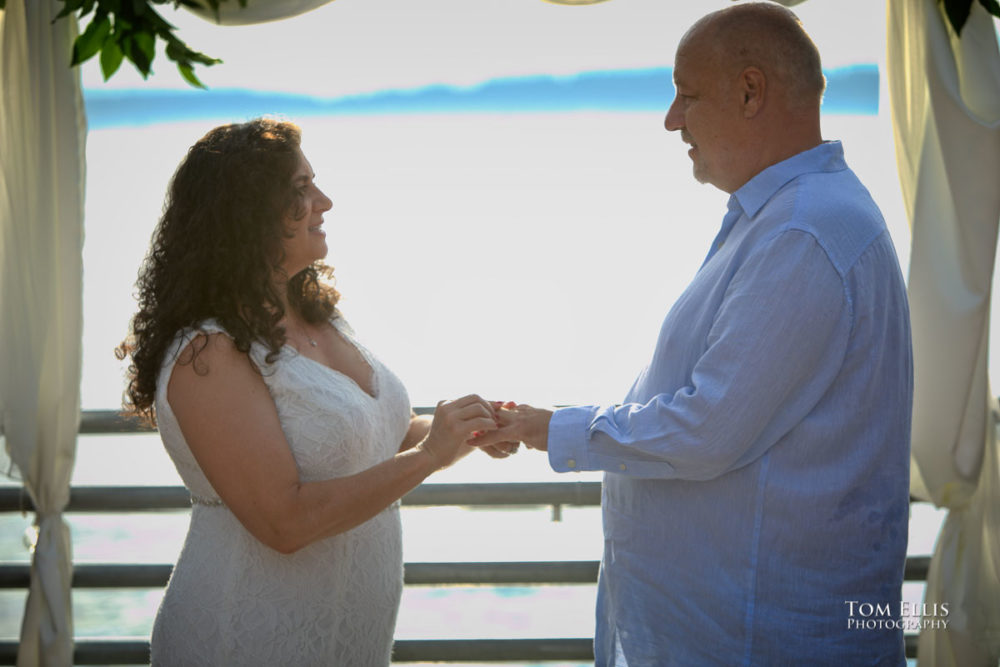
(757, 474)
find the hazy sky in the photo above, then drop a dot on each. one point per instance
(352, 46)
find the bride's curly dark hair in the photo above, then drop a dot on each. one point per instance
(216, 251)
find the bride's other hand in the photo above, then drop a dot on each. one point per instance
(454, 423)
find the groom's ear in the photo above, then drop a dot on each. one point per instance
(752, 88)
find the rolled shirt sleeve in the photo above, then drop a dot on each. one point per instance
(773, 346)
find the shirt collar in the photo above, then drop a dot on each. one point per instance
(827, 157)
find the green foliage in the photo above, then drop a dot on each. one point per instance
(958, 11)
(120, 29)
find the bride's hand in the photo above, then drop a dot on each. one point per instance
(503, 449)
(454, 423)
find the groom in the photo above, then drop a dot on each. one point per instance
(756, 474)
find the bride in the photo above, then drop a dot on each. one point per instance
(294, 441)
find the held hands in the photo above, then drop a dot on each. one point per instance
(501, 449)
(454, 424)
(515, 423)
(495, 427)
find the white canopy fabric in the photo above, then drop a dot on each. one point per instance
(945, 95)
(42, 138)
(257, 11)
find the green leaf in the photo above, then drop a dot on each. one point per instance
(91, 40)
(140, 48)
(958, 13)
(69, 7)
(111, 58)
(88, 6)
(181, 52)
(203, 59)
(176, 49)
(992, 6)
(158, 23)
(147, 45)
(188, 73)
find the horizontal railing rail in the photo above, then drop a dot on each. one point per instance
(117, 499)
(499, 573)
(103, 422)
(133, 650)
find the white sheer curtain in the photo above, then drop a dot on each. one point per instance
(42, 135)
(945, 95)
(42, 167)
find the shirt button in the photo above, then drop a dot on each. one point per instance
(621, 466)
(571, 463)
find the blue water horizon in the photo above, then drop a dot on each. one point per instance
(851, 90)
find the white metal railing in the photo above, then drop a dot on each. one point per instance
(122, 651)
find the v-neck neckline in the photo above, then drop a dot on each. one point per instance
(365, 358)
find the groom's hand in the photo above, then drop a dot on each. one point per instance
(501, 449)
(520, 423)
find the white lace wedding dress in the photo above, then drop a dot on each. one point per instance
(232, 600)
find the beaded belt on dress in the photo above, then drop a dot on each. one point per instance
(208, 502)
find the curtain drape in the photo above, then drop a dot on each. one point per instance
(42, 137)
(42, 168)
(945, 96)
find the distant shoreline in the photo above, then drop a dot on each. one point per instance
(851, 90)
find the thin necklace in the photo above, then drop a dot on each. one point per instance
(309, 338)
(305, 333)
